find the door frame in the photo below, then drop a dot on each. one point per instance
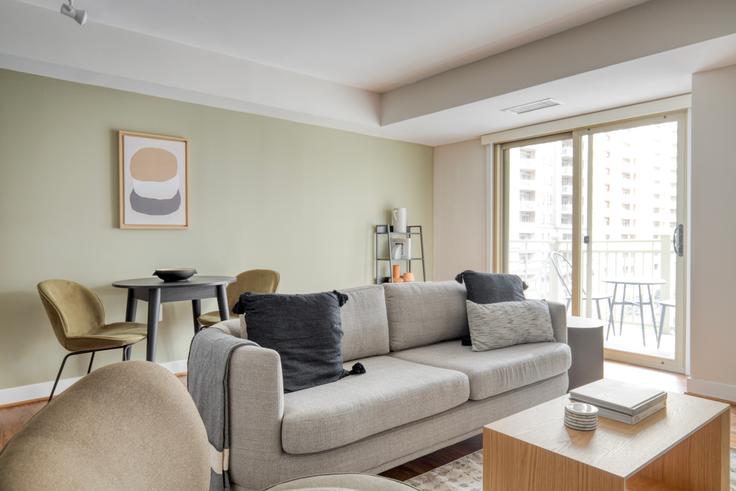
(499, 193)
(681, 310)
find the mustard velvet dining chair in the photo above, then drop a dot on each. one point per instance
(254, 280)
(78, 319)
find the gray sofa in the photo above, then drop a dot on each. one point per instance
(422, 390)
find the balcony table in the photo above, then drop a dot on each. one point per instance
(156, 291)
(638, 283)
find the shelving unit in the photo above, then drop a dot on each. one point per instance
(382, 231)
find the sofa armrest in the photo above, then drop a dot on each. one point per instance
(558, 313)
(256, 393)
(230, 326)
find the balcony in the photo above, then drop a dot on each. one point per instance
(615, 259)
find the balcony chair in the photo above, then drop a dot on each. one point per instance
(254, 280)
(563, 268)
(78, 319)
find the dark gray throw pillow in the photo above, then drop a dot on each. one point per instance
(484, 288)
(492, 287)
(304, 329)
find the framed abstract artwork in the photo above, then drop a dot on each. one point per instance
(154, 180)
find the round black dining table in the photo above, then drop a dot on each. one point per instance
(156, 291)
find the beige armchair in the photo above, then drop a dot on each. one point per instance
(126, 426)
(78, 319)
(254, 280)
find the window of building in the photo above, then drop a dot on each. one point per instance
(528, 153)
(527, 174)
(566, 219)
(526, 236)
(626, 222)
(526, 217)
(566, 180)
(527, 195)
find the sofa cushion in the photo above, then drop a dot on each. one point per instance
(391, 393)
(502, 324)
(364, 323)
(304, 329)
(496, 371)
(425, 313)
(492, 287)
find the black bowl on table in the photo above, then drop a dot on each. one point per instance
(171, 275)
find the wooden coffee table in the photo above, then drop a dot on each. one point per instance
(685, 446)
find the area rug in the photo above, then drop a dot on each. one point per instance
(466, 474)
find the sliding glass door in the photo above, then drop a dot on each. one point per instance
(595, 219)
(634, 254)
(538, 222)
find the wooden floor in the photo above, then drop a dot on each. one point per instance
(14, 417)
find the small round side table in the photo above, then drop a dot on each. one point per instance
(347, 482)
(585, 338)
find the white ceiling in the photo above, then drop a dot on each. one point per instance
(644, 79)
(376, 45)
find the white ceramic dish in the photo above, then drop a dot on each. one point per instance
(581, 409)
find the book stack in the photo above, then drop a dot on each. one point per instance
(627, 403)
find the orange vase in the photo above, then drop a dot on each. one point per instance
(396, 273)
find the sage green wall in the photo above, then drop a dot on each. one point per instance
(265, 193)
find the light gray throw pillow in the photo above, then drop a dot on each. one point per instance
(501, 324)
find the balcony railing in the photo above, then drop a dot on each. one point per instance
(610, 259)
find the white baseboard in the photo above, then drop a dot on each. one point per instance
(717, 390)
(23, 393)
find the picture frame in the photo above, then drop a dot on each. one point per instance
(153, 174)
(400, 248)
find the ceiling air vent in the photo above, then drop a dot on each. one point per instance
(532, 106)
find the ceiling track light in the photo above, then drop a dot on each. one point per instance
(79, 15)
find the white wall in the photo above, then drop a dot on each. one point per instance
(713, 231)
(460, 209)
